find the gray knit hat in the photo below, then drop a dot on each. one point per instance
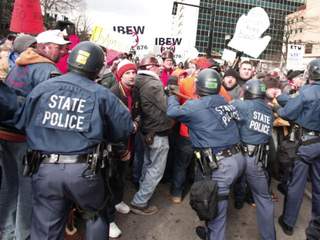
(22, 42)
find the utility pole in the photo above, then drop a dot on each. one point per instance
(213, 13)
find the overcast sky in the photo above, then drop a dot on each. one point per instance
(111, 12)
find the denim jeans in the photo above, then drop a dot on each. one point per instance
(155, 158)
(15, 192)
(184, 155)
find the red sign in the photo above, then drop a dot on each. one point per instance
(26, 17)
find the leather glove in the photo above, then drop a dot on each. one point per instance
(148, 138)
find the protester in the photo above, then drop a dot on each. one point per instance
(167, 66)
(155, 126)
(122, 152)
(20, 44)
(230, 82)
(246, 72)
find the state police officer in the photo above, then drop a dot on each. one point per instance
(66, 119)
(256, 119)
(304, 110)
(212, 126)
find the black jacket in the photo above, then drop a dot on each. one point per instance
(153, 102)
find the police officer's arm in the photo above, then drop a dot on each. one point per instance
(8, 102)
(118, 119)
(292, 109)
(283, 99)
(177, 111)
(241, 108)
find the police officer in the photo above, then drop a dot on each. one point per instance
(255, 132)
(212, 126)
(67, 119)
(304, 110)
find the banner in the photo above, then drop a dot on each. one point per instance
(27, 17)
(249, 29)
(109, 39)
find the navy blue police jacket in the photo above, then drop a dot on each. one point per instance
(304, 108)
(8, 102)
(71, 114)
(210, 120)
(256, 120)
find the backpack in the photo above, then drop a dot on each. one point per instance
(204, 199)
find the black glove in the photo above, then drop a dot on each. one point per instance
(173, 80)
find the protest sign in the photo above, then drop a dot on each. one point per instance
(249, 29)
(295, 57)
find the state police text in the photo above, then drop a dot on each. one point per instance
(260, 123)
(70, 120)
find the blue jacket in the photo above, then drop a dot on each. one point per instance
(256, 120)
(304, 108)
(8, 102)
(71, 114)
(30, 69)
(210, 120)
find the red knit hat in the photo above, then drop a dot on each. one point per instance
(123, 66)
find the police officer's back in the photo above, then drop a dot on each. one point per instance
(255, 132)
(214, 134)
(304, 110)
(66, 120)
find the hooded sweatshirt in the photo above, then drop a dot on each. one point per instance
(31, 69)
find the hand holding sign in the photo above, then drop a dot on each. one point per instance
(247, 37)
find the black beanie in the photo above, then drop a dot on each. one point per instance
(294, 74)
(233, 73)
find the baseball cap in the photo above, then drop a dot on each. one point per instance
(52, 36)
(22, 42)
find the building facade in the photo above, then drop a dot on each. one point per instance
(226, 14)
(303, 28)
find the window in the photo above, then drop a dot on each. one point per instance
(308, 48)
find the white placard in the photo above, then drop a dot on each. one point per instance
(229, 55)
(249, 29)
(295, 57)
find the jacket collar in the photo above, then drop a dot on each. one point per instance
(149, 73)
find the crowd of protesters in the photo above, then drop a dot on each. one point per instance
(159, 148)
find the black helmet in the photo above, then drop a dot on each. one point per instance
(254, 88)
(313, 70)
(208, 82)
(86, 58)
